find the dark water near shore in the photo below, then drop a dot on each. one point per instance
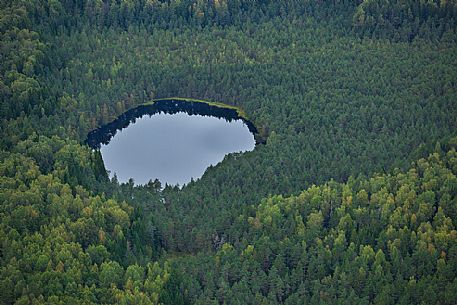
(172, 141)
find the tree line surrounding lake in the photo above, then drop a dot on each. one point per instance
(357, 97)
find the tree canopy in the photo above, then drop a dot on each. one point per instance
(351, 200)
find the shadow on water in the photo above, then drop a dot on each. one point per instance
(103, 134)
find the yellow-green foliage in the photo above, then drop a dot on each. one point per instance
(63, 246)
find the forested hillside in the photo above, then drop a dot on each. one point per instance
(390, 239)
(350, 95)
(61, 245)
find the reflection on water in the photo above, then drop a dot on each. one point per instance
(173, 147)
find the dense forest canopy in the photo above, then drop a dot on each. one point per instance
(357, 97)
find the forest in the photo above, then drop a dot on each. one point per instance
(350, 200)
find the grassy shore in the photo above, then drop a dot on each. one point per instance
(240, 111)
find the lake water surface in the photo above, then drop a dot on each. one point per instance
(171, 141)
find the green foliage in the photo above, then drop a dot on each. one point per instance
(342, 90)
(377, 257)
(21, 53)
(331, 105)
(405, 20)
(62, 246)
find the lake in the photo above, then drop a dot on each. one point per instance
(171, 140)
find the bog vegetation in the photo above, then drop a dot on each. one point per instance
(352, 200)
